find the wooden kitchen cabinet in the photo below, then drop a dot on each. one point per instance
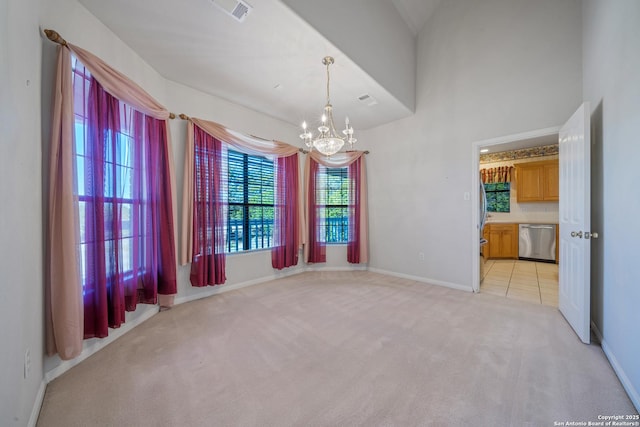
(537, 181)
(503, 241)
(551, 179)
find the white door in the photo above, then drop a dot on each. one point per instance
(574, 297)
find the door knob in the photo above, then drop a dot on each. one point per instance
(577, 234)
(593, 235)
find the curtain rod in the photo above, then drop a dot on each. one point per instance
(55, 37)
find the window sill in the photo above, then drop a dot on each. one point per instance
(249, 252)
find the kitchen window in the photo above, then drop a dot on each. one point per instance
(498, 196)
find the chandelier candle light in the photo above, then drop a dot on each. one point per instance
(328, 141)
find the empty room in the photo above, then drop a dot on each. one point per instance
(319, 213)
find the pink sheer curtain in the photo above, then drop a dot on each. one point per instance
(209, 212)
(286, 232)
(355, 207)
(126, 237)
(64, 285)
(63, 307)
(358, 241)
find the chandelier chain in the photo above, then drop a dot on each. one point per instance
(328, 77)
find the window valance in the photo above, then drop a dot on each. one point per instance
(498, 174)
(245, 143)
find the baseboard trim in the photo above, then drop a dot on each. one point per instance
(622, 376)
(426, 280)
(37, 404)
(318, 267)
(214, 290)
(613, 361)
(596, 331)
(99, 344)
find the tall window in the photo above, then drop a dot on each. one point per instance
(123, 164)
(125, 235)
(251, 202)
(332, 200)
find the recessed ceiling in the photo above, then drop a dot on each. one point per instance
(271, 62)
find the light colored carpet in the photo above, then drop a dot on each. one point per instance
(341, 349)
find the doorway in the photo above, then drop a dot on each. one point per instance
(530, 281)
(518, 279)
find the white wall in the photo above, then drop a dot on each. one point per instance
(21, 253)
(485, 69)
(611, 40)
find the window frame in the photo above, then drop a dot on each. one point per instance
(495, 192)
(245, 244)
(83, 174)
(342, 227)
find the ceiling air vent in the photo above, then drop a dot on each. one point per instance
(238, 9)
(367, 99)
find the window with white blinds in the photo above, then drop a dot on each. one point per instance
(251, 202)
(332, 201)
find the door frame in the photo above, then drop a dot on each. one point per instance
(475, 184)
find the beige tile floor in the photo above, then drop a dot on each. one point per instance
(535, 282)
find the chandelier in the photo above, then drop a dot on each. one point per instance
(328, 141)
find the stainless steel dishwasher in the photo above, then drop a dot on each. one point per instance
(537, 242)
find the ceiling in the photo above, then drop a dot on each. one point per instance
(271, 62)
(416, 12)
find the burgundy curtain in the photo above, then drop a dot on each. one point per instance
(126, 221)
(209, 213)
(353, 243)
(286, 232)
(316, 244)
(358, 237)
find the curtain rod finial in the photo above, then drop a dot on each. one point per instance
(183, 116)
(172, 116)
(54, 36)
